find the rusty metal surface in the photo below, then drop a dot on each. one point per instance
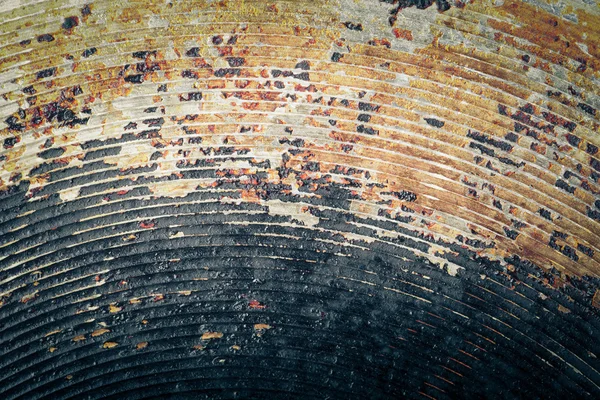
(306, 199)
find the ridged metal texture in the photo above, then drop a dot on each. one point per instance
(299, 199)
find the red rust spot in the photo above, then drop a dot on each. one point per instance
(255, 304)
(403, 34)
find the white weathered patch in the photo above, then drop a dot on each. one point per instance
(294, 210)
(177, 188)
(69, 194)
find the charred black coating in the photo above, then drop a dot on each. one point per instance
(305, 65)
(236, 61)
(393, 326)
(364, 117)
(435, 122)
(442, 5)
(352, 26)
(46, 73)
(138, 78)
(46, 37)
(70, 23)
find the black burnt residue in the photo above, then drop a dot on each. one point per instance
(588, 109)
(304, 65)
(435, 122)
(564, 249)
(189, 74)
(574, 92)
(304, 76)
(139, 78)
(311, 166)
(568, 174)
(56, 112)
(512, 137)
(491, 152)
(143, 54)
(482, 138)
(573, 140)
(10, 142)
(294, 142)
(192, 96)
(502, 109)
(476, 243)
(89, 52)
(518, 224)
(335, 57)
(353, 26)
(368, 107)
(528, 108)
(101, 154)
(545, 213)
(383, 302)
(29, 90)
(406, 219)
(482, 149)
(46, 73)
(51, 153)
(556, 120)
(585, 250)
(593, 214)
(364, 117)
(154, 121)
(227, 72)
(46, 37)
(70, 23)
(405, 195)
(564, 186)
(193, 52)
(526, 123)
(14, 125)
(236, 61)
(147, 67)
(442, 5)
(367, 130)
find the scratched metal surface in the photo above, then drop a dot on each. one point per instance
(299, 199)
